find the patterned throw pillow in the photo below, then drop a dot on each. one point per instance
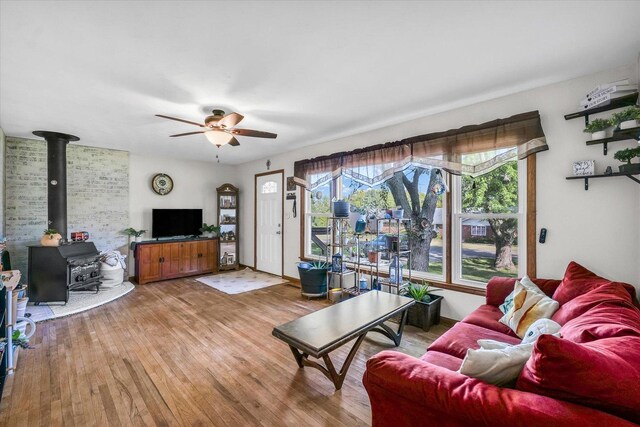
(507, 304)
(529, 305)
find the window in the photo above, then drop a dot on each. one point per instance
(478, 230)
(488, 215)
(413, 187)
(269, 187)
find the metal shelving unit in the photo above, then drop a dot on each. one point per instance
(395, 232)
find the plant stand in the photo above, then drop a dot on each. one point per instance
(425, 314)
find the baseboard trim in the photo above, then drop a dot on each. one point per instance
(447, 322)
(292, 280)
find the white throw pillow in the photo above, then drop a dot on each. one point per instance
(500, 363)
(529, 305)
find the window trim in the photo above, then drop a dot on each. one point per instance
(530, 249)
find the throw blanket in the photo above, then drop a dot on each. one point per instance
(113, 258)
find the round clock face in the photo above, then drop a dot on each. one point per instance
(162, 184)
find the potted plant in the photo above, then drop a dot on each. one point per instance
(426, 311)
(51, 238)
(627, 118)
(209, 230)
(313, 278)
(600, 128)
(627, 155)
(136, 234)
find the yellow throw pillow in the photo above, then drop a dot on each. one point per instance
(529, 305)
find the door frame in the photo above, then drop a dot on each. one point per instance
(255, 219)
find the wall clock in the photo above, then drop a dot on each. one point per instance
(162, 184)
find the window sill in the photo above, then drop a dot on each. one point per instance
(465, 289)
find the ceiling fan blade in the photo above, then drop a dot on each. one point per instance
(187, 133)
(234, 142)
(180, 120)
(254, 133)
(230, 120)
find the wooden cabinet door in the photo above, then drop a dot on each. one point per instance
(170, 260)
(189, 257)
(206, 256)
(149, 263)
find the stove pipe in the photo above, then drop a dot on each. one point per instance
(57, 179)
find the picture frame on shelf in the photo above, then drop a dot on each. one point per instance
(584, 168)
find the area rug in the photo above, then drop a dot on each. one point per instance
(78, 302)
(237, 282)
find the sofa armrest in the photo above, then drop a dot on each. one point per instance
(404, 390)
(498, 288)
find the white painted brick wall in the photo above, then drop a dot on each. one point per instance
(97, 195)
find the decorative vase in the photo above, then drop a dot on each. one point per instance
(51, 240)
(138, 239)
(209, 235)
(601, 134)
(629, 124)
(372, 256)
(361, 224)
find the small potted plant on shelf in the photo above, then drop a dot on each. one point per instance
(209, 230)
(628, 118)
(600, 128)
(136, 234)
(627, 155)
(313, 278)
(51, 238)
(426, 311)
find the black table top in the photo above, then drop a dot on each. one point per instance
(327, 329)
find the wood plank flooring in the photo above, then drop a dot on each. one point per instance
(179, 353)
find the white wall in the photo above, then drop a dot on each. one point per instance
(598, 228)
(2, 145)
(194, 187)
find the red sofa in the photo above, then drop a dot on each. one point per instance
(406, 391)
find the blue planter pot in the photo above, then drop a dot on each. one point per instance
(312, 280)
(341, 209)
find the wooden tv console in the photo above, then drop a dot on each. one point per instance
(170, 259)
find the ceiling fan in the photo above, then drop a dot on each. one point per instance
(219, 128)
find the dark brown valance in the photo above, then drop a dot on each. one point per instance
(453, 151)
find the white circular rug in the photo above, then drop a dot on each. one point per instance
(78, 302)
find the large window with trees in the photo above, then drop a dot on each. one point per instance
(465, 191)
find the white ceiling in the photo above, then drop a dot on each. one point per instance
(308, 71)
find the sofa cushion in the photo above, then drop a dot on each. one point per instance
(610, 292)
(488, 316)
(442, 359)
(498, 288)
(499, 366)
(578, 280)
(463, 336)
(603, 374)
(529, 305)
(606, 320)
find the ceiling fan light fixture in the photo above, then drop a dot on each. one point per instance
(218, 138)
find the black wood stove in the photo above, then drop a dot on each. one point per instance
(56, 270)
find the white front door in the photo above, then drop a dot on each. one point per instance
(269, 223)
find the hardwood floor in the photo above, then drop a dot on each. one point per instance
(182, 353)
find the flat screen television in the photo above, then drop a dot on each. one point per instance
(176, 222)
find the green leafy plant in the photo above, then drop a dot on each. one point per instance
(597, 125)
(209, 228)
(19, 340)
(627, 154)
(50, 232)
(133, 232)
(419, 292)
(319, 265)
(631, 113)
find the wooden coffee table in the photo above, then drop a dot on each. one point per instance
(319, 333)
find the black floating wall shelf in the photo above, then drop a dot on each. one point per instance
(623, 101)
(619, 135)
(587, 178)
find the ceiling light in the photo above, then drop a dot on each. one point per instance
(218, 138)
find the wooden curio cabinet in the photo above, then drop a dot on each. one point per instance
(228, 242)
